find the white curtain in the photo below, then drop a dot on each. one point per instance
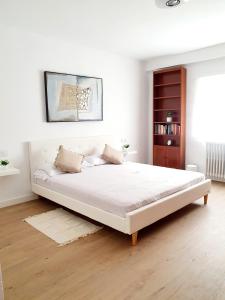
(208, 114)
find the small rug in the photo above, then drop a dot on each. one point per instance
(1, 286)
(62, 226)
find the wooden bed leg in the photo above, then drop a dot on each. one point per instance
(205, 199)
(134, 238)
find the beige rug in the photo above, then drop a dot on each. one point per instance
(1, 286)
(62, 226)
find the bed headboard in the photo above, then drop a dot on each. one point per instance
(45, 151)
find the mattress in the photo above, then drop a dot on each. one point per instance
(120, 189)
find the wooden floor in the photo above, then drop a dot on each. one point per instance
(180, 257)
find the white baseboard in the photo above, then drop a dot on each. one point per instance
(18, 200)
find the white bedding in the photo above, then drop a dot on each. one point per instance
(120, 189)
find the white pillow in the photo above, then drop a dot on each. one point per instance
(40, 174)
(95, 160)
(50, 170)
(85, 164)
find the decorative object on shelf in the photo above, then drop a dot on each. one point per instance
(125, 148)
(169, 143)
(169, 117)
(73, 98)
(4, 163)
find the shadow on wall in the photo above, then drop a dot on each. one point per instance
(42, 88)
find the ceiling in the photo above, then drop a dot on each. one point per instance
(135, 28)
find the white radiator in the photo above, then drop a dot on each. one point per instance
(215, 161)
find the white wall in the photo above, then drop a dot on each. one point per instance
(205, 108)
(23, 58)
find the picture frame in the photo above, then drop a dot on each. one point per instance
(73, 98)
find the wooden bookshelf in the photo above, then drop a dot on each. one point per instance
(166, 97)
(169, 96)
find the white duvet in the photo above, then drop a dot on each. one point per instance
(120, 189)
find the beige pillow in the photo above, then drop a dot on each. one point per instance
(68, 161)
(112, 155)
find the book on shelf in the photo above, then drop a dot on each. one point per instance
(167, 129)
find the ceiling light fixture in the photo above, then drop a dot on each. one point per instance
(169, 3)
(172, 3)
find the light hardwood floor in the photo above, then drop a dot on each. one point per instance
(180, 257)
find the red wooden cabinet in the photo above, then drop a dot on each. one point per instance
(169, 98)
(165, 156)
(159, 155)
(173, 157)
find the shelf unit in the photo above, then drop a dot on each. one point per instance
(166, 97)
(169, 95)
(168, 84)
(9, 171)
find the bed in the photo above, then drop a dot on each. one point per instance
(126, 197)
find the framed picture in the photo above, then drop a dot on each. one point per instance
(73, 98)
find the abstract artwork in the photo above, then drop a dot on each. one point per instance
(73, 98)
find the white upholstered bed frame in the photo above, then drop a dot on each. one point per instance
(46, 150)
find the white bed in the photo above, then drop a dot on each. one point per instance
(126, 197)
